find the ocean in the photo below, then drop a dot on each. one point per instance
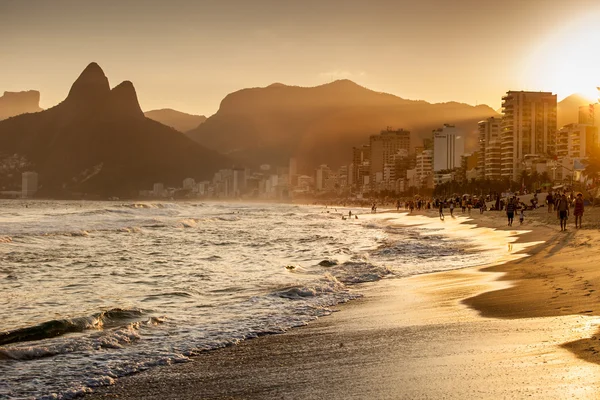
(92, 291)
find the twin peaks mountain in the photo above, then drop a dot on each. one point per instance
(320, 125)
(98, 141)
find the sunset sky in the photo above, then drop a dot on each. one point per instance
(188, 55)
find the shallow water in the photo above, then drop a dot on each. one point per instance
(96, 290)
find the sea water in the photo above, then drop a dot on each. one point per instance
(91, 291)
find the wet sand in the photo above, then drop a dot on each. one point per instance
(525, 329)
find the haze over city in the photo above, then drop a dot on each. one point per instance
(309, 199)
(188, 55)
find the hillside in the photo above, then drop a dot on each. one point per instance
(567, 110)
(98, 142)
(176, 119)
(321, 124)
(16, 103)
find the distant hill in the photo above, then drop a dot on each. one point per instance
(98, 141)
(176, 119)
(321, 124)
(567, 110)
(15, 103)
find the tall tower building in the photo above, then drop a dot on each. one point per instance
(423, 168)
(293, 172)
(29, 184)
(361, 164)
(384, 147)
(489, 163)
(528, 129)
(448, 147)
(576, 140)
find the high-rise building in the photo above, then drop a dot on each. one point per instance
(293, 172)
(489, 163)
(587, 114)
(158, 190)
(576, 140)
(424, 167)
(238, 181)
(448, 147)
(322, 174)
(361, 164)
(29, 184)
(189, 183)
(528, 130)
(384, 149)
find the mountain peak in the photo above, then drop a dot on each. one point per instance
(91, 85)
(124, 100)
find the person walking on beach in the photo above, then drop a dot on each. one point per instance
(452, 208)
(441, 208)
(562, 211)
(578, 211)
(510, 211)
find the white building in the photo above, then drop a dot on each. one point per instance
(29, 184)
(189, 183)
(293, 171)
(158, 190)
(322, 174)
(423, 167)
(448, 147)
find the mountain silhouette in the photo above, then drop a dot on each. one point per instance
(176, 119)
(567, 110)
(16, 103)
(321, 124)
(98, 141)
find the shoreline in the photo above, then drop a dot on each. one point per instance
(504, 330)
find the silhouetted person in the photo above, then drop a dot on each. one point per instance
(562, 211)
(578, 211)
(510, 211)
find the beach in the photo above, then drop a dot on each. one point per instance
(526, 328)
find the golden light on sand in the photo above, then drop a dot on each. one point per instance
(566, 62)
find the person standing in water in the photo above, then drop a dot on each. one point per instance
(578, 211)
(452, 208)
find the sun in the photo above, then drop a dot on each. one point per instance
(567, 61)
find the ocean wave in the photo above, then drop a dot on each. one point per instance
(112, 339)
(326, 285)
(59, 327)
(353, 272)
(187, 223)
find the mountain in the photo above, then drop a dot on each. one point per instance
(321, 124)
(567, 110)
(98, 141)
(176, 119)
(15, 103)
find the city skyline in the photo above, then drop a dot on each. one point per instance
(189, 55)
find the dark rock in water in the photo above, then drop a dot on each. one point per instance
(327, 263)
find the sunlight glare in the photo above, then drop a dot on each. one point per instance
(567, 62)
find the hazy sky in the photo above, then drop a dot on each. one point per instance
(188, 55)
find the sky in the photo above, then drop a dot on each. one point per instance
(188, 55)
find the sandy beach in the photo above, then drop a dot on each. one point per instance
(526, 328)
